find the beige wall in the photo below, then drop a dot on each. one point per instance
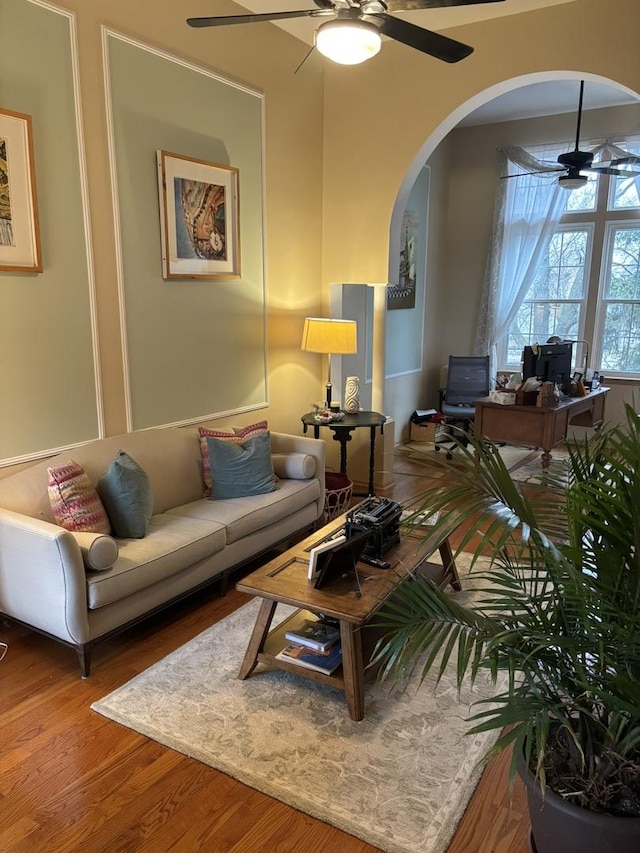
(378, 117)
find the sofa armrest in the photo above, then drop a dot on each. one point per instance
(42, 577)
(285, 443)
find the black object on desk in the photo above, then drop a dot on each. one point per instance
(342, 430)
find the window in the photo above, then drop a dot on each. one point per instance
(587, 283)
(556, 299)
(619, 302)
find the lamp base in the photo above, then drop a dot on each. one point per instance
(328, 394)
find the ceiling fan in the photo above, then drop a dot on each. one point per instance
(354, 34)
(573, 163)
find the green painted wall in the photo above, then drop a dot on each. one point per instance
(47, 378)
(195, 348)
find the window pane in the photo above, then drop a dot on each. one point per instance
(621, 339)
(626, 194)
(536, 322)
(520, 333)
(561, 273)
(585, 197)
(623, 280)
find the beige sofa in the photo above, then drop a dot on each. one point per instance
(191, 541)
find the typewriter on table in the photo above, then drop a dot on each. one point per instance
(380, 516)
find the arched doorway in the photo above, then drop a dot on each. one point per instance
(403, 394)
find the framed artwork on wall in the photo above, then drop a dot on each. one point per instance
(403, 294)
(199, 218)
(19, 228)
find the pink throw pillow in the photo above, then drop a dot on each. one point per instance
(74, 501)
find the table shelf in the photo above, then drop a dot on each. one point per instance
(276, 641)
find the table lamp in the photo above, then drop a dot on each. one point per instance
(333, 337)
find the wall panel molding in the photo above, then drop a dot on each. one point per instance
(192, 350)
(50, 382)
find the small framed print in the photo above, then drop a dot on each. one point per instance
(199, 218)
(316, 562)
(19, 229)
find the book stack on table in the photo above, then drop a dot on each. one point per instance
(315, 645)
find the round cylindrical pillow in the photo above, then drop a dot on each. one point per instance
(293, 466)
(99, 551)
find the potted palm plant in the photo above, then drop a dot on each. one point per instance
(557, 617)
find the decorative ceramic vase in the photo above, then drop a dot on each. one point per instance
(352, 395)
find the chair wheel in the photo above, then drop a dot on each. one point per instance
(449, 455)
(437, 448)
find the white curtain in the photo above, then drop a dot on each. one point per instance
(526, 216)
(609, 151)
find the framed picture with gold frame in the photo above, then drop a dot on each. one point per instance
(199, 218)
(19, 228)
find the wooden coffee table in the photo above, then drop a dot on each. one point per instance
(284, 581)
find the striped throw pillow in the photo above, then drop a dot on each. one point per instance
(74, 501)
(235, 436)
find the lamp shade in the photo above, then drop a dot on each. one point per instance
(330, 336)
(348, 42)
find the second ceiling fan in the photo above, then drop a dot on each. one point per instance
(355, 32)
(573, 163)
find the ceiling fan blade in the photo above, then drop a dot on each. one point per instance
(429, 42)
(538, 172)
(410, 5)
(221, 20)
(621, 167)
(309, 52)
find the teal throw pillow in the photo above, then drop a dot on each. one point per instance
(240, 470)
(127, 497)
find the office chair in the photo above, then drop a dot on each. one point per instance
(467, 380)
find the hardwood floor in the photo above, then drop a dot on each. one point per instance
(71, 780)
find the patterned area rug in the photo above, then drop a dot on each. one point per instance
(524, 463)
(532, 471)
(400, 779)
(512, 456)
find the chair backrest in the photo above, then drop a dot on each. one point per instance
(467, 379)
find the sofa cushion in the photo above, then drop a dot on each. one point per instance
(172, 544)
(74, 500)
(126, 494)
(233, 435)
(244, 516)
(99, 551)
(240, 470)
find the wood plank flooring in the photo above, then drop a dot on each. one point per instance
(71, 780)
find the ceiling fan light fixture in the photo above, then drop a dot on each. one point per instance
(348, 42)
(572, 182)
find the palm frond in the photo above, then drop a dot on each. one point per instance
(555, 616)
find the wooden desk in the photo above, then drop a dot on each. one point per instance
(538, 427)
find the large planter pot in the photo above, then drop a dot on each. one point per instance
(559, 827)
